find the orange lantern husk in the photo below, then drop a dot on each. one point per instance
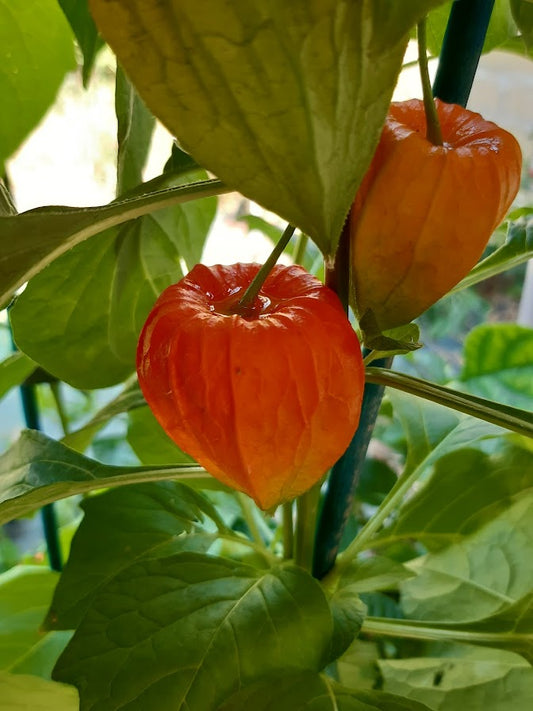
(424, 213)
(266, 401)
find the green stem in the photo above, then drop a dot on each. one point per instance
(306, 513)
(411, 629)
(246, 508)
(253, 290)
(511, 418)
(55, 388)
(288, 531)
(434, 132)
(301, 246)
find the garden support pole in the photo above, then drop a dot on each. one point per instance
(462, 47)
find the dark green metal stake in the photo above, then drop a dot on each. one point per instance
(48, 516)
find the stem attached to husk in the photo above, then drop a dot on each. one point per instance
(434, 132)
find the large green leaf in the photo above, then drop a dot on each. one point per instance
(80, 318)
(14, 370)
(466, 677)
(79, 17)
(284, 101)
(467, 489)
(33, 239)
(119, 528)
(498, 364)
(189, 630)
(477, 577)
(37, 470)
(25, 593)
(21, 692)
(314, 692)
(36, 52)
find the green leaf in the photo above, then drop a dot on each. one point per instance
(375, 573)
(25, 593)
(314, 692)
(188, 630)
(37, 470)
(466, 678)
(21, 692)
(498, 364)
(37, 51)
(32, 240)
(80, 318)
(357, 668)
(82, 24)
(501, 33)
(523, 16)
(511, 418)
(119, 528)
(135, 128)
(477, 577)
(348, 612)
(467, 489)
(14, 370)
(150, 442)
(283, 101)
(128, 399)
(517, 249)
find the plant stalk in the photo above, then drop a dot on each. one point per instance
(433, 132)
(253, 290)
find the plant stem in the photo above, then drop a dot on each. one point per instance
(55, 388)
(411, 629)
(288, 531)
(247, 511)
(301, 246)
(253, 290)
(306, 510)
(270, 558)
(461, 49)
(434, 132)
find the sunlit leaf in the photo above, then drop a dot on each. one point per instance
(283, 101)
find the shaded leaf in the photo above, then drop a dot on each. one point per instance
(119, 528)
(477, 577)
(272, 97)
(467, 677)
(80, 318)
(37, 470)
(130, 398)
(374, 573)
(82, 24)
(25, 593)
(36, 52)
(32, 240)
(150, 442)
(467, 489)
(357, 668)
(182, 632)
(14, 370)
(21, 692)
(135, 128)
(498, 363)
(314, 692)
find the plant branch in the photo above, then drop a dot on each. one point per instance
(510, 418)
(248, 513)
(288, 531)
